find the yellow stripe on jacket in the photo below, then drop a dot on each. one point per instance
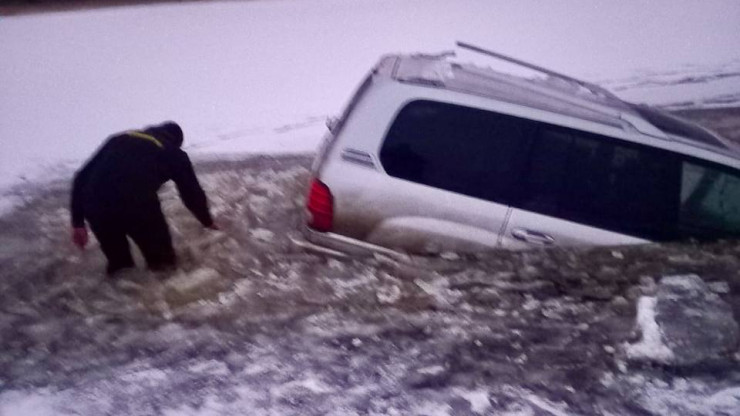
(145, 136)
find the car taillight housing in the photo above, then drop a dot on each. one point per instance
(320, 206)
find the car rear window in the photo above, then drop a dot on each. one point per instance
(629, 188)
(710, 201)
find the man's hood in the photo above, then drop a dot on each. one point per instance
(169, 132)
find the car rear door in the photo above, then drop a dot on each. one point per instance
(452, 172)
(582, 188)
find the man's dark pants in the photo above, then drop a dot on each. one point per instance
(145, 225)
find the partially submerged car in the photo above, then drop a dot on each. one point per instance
(433, 155)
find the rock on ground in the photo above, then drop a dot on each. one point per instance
(697, 325)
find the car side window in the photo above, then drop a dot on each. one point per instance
(460, 149)
(602, 182)
(710, 202)
(546, 170)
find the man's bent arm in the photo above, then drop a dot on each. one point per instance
(78, 186)
(191, 192)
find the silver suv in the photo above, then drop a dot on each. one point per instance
(432, 155)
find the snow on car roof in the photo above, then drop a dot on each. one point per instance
(555, 94)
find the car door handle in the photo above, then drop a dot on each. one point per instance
(530, 236)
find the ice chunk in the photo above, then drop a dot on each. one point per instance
(479, 402)
(728, 400)
(388, 294)
(38, 403)
(651, 346)
(262, 234)
(194, 280)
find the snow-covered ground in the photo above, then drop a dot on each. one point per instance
(260, 76)
(251, 325)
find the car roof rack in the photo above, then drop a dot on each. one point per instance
(593, 88)
(675, 128)
(585, 100)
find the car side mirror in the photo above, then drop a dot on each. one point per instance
(332, 123)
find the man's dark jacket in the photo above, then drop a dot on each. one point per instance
(121, 180)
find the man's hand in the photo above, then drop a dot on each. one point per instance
(79, 236)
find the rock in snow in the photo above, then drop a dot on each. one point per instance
(651, 347)
(686, 323)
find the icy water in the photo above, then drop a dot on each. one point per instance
(252, 324)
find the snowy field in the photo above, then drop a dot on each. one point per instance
(261, 76)
(250, 324)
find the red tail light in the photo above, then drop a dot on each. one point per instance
(320, 206)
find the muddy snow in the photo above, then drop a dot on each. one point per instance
(251, 323)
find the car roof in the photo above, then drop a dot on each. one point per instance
(555, 93)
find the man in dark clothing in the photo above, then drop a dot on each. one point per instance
(116, 192)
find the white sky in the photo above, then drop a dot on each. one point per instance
(238, 70)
